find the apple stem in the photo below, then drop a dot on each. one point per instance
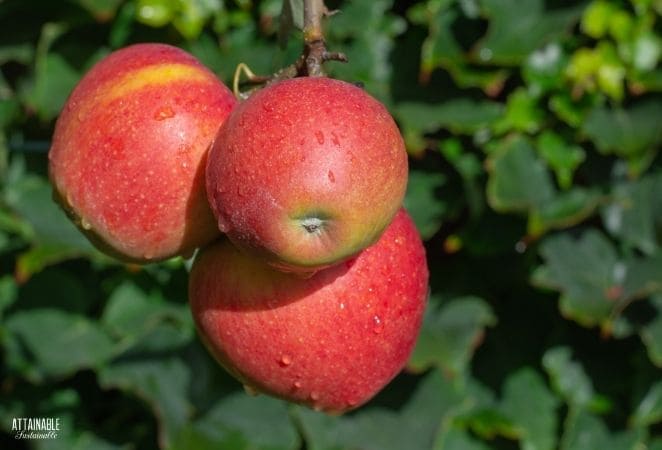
(309, 64)
(314, 49)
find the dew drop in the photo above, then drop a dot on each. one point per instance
(164, 113)
(85, 224)
(70, 200)
(297, 385)
(342, 306)
(378, 325)
(320, 137)
(314, 396)
(332, 177)
(80, 116)
(285, 361)
(250, 390)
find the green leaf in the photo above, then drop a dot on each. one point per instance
(630, 215)
(522, 114)
(532, 408)
(423, 203)
(585, 270)
(155, 13)
(568, 378)
(8, 293)
(563, 158)
(450, 334)
(518, 180)
(365, 32)
(54, 237)
(456, 439)
(564, 210)
(192, 16)
(436, 401)
(59, 343)
(588, 431)
(649, 410)
(259, 423)
(291, 17)
(543, 68)
(54, 79)
(372, 429)
(460, 116)
(31, 197)
(651, 333)
(161, 381)
(632, 133)
(511, 37)
(130, 312)
(596, 18)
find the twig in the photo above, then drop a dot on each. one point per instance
(310, 62)
(314, 46)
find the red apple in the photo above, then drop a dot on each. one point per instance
(307, 172)
(129, 150)
(331, 341)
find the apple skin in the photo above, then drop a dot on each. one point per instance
(307, 172)
(129, 150)
(331, 341)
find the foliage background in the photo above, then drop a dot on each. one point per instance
(534, 129)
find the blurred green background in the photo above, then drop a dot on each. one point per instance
(533, 128)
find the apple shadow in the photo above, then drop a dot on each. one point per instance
(262, 287)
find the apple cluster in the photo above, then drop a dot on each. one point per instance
(310, 278)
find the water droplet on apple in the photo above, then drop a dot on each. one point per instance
(314, 396)
(320, 137)
(332, 177)
(85, 224)
(147, 256)
(70, 201)
(285, 361)
(297, 385)
(378, 325)
(342, 306)
(164, 113)
(250, 390)
(81, 115)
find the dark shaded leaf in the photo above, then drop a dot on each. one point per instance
(162, 382)
(651, 333)
(260, 423)
(450, 334)
(631, 215)
(518, 179)
(584, 270)
(59, 343)
(531, 406)
(588, 431)
(504, 42)
(569, 379)
(423, 203)
(632, 133)
(649, 410)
